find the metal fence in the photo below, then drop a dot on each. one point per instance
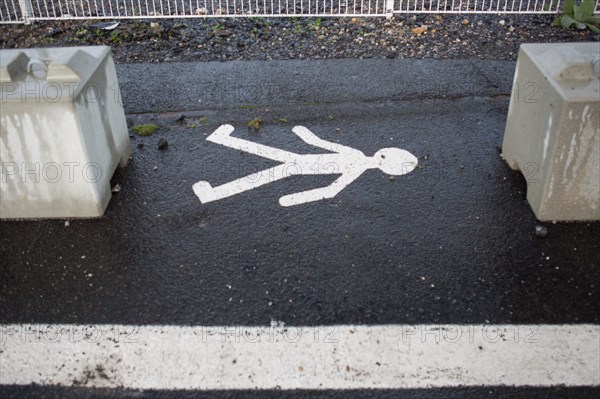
(19, 11)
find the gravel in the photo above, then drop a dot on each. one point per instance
(163, 144)
(541, 231)
(407, 36)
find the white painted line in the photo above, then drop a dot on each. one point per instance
(277, 357)
(341, 160)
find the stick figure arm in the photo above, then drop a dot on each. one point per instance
(320, 193)
(223, 136)
(310, 138)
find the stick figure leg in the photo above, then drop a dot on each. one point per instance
(320, 193)
(207, 193)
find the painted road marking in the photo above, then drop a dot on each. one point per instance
(342, 160)
(334, 357)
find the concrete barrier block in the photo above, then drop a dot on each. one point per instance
(63, 132)
(553, 129)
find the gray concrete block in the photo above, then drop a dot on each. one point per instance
(63, 132)
(552, 131)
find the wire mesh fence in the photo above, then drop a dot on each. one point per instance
(19, 11)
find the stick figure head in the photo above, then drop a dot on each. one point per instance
(395, 161)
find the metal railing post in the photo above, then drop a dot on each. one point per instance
(26, 10)
(389, 8)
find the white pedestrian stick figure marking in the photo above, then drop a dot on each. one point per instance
(342, 160)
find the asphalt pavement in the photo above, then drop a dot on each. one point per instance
(452, 242)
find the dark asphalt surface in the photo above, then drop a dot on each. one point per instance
(214, 85)
(452, 242)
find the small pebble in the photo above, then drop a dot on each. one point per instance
(502, 22)
(465, 22)
(541, 231)
(163, 144)
(140, 145)
(155, 167)
(67, 224)
(116, 188)
(392, 178)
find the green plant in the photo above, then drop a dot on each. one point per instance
(114, 37)
(580, 15)
(254, 124)
(201, 121)
(260, 21)
(145, 130)
(217, 27)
